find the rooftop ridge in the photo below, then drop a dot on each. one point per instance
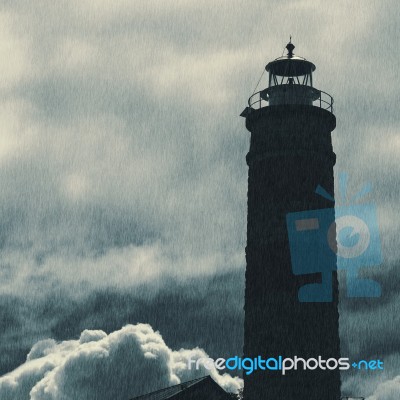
(165, 393)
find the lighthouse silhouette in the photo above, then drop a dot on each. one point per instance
(290, 155)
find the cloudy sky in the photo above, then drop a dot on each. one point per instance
(123, 180)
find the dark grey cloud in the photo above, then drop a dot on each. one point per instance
(123, 159)
(202, 311)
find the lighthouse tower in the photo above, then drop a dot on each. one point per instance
(290, 154)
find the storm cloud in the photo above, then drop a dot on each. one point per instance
(122, 162)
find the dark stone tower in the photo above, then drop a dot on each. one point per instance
(290, 155)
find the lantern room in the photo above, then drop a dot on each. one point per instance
(290, 81)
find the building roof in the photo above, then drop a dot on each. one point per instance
(194, 389)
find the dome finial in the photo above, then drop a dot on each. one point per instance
(290, 47)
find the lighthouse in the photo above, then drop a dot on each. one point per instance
(291, 154)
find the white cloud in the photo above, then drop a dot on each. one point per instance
(131, 361)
